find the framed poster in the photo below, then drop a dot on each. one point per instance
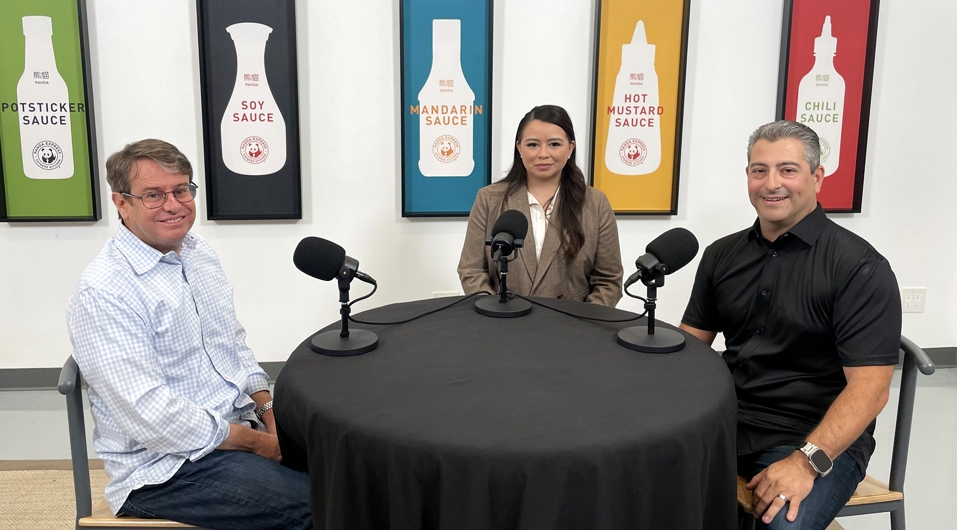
(639, 102)
(48, 163)
(247, 58)
(446, 56)
(827, 69)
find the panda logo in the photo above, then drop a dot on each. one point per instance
(446, 148)
(47, 155)
(254, 150)
(825, 149)
(633, 152)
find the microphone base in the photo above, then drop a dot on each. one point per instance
(358, 342)
(491, 306)
(663, 341)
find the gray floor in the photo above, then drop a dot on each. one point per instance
(36, 429)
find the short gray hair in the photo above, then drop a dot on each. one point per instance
(121, 163)
(785, 129)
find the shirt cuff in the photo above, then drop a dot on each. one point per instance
(222, 431)
(257, 382)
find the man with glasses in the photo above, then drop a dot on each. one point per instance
(183, 414)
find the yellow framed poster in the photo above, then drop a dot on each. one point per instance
(639, 99)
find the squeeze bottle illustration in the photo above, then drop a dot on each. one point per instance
(633, 145)
(820, 100)
(446, 104)
(46, 139)
(253, 129)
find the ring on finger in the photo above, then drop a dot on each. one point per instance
(782, 497)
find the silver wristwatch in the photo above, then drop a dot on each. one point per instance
(267, 406)
(818, 459)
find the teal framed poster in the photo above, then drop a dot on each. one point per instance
(446, 105)
(47, 148)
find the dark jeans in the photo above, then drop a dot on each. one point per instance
(228, 489)
(826, 499)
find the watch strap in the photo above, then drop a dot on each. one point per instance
(266, 407)
(809, 449)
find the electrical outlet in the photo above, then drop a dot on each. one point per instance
(912, 299)
(442, 294)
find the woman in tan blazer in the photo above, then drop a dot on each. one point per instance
(571, 250)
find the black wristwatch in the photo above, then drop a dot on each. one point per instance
(818, 459)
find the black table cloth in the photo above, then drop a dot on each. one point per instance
(462, 421)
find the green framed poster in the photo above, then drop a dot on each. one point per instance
(49, 165)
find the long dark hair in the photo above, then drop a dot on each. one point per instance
(572, 181)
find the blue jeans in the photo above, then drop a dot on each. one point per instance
(826, 499)
(228, 489)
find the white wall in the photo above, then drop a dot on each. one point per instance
(146, 84)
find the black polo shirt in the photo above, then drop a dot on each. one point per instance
(794, 313)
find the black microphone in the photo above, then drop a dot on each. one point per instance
(668, 252)
(325, 260)
(508, 233)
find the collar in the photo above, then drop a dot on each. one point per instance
(532, 200)
(808, 229)
(143, 257)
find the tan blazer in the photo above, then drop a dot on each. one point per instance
(593, 276)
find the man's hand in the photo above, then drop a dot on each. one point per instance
(268, 446)
(242, 438)
(792, 477)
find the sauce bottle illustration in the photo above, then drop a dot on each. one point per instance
(820, 100)
(633, 146)
(46, 139)
(446, 104)
(253, 129)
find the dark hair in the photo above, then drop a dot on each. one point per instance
(784, 129)
(121, 164)
(119, 167)
(572, 181)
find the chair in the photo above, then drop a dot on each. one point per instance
(872, 495)
(88, 515)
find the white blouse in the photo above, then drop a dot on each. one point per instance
(540, 218)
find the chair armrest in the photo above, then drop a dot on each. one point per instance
(68, 376)
(921, 359)
(69, 386)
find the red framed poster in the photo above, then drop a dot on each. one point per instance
(827, 69)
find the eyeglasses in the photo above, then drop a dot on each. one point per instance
(156, 199)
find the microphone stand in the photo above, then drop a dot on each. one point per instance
(650, 340)
(343, 343)
(502, 276)
(503, 307)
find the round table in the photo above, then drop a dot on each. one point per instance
(462, 421)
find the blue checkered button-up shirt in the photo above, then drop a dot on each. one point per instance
(157, 340)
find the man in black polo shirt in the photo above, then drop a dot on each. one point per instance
(811, 318)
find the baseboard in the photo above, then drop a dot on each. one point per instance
(47, 378)
(44, 465)
(943, 357)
